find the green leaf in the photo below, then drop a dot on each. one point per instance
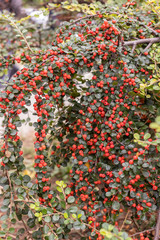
(146, 136)
(59, 230)
(73, 209)
(136, 136)
(156, 88)
(31, 222)
(32, 206)
(11, 96)
(51, 237)
(58, 183)
(145, 174)
(59, 189)
(55, 217)
(4, 217)
(71, 199)
(108, 194)
(2, 233)
(47, 219)
(154, 125)
(106, 233)
(11, 230)
(158, 120)
(79, 215)
(45, 229)
(67, 191)
(64, 185)
(63, 204)
(39, 218)
(6, 201)
(61, 196)
(44, 211)
(66, 222)
(18, 182)
(26, 178)
(110, 227)
(116, 205)
(37, 204)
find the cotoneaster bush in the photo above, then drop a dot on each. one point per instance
(94, 121)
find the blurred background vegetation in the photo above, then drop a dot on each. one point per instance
(38, 3)
(44, 2)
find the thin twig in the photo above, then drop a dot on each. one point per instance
(10, 185)
(134, 46)
(29, 234)
(136, 224)
(40, 38)
(155, 98)
(120, 143)
(125, 219)
(52, 230)
(78, 233)
(152, 30)
(148, 46)
(148, 230)
(10, 235)
(14, 24)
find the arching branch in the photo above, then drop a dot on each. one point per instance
(83, 18)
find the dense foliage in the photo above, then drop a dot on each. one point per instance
(92, 98)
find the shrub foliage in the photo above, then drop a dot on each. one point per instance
(90, 104)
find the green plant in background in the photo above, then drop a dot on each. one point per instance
(149, 89)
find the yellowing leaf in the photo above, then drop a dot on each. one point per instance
(29, 173)
(65, 215)
(87, 165)
(106, 233)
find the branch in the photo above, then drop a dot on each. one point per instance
(82, 18)
(141, 41)
(156, 237)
